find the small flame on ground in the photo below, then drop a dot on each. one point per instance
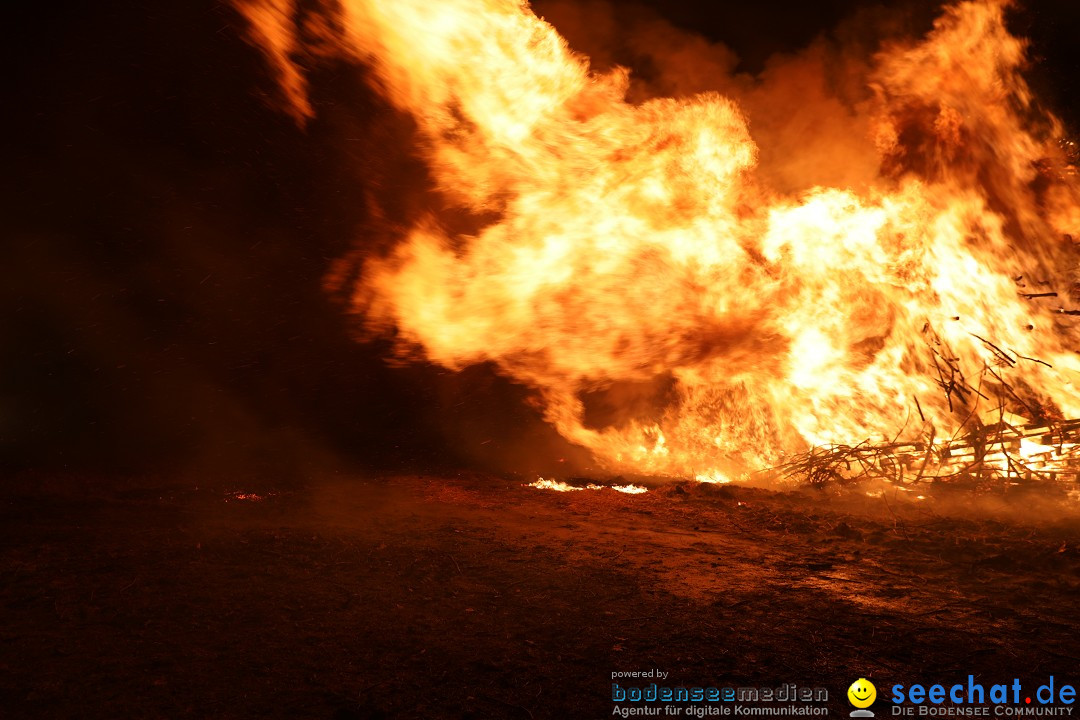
(629, 489)
(560, 486)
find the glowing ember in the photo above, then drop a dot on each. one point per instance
(637, 256)
(247, 496)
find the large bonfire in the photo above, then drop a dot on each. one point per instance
(674, 309)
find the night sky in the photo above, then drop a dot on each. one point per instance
(169, 230)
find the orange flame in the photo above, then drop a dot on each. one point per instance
(638, 261)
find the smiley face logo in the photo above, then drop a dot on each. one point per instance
(862, 693)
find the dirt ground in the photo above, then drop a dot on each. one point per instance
(470, 596)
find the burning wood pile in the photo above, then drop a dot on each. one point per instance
(984, 456)
(1003, 448)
